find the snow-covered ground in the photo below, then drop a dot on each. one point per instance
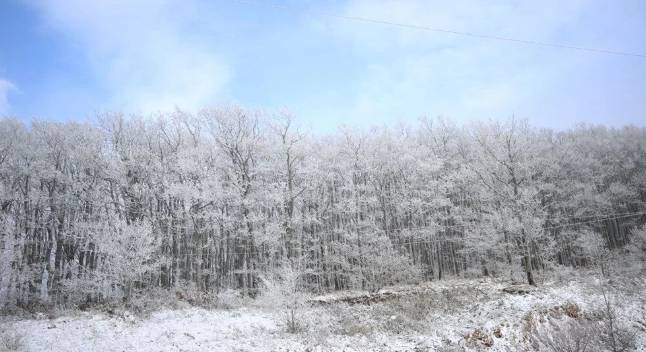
(447, 315)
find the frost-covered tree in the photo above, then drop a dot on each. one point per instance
(97, 210)
(129, 254)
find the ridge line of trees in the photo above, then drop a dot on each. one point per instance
(96, 211)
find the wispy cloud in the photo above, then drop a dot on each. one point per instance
(522, 20)
(144, 52)
(414, 71)
(5, 87)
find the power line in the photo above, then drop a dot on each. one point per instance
(587, 216)
(596, 220)
(440, 227)
(249, 248)
(257, 247)
(453, 32)
(436, 240)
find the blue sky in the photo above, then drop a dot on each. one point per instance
(69, 59)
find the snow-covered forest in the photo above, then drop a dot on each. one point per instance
(104, 211)
(451, 176)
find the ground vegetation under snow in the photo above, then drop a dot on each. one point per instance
(450, 315)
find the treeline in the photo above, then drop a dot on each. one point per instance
(97, 211)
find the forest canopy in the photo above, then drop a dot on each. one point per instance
(100, 210)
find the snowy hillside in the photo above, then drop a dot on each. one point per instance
(452, 315)
(337, 175)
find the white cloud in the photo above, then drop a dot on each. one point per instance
(5, 87)
(540, 21)
(144, 52)
(413, 72)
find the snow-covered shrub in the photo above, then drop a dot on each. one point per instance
(228, 299)
(571, 335)
(416, 307)
(616, 335)
(351, 322)
(320, 322)
(283, 290)
(151, 300)
(188, 292)
(394, 315)
(592, 247)
(131, 254)
(599, 332)
(637, 245)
